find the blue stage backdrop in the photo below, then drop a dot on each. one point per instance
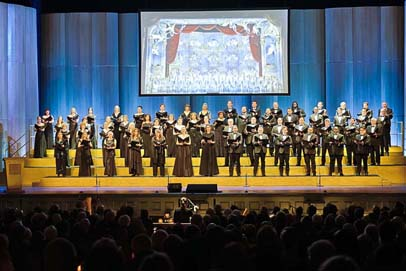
(338, 54)
(18, 77)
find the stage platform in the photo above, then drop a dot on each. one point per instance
(38, 185)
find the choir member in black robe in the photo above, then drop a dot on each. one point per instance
(193, 128)
(123, 137)
(349, 135)
(208, 162)
(344, 110)
(250, 131)
(309, 142)
(370, 113)
(183, 161)
(139, 117)
(162, 115)
(277, 131)
(48, 119)
(117, 118)
(58, 126)
(299, 112)
(169, 135)
(363, 119)
(158, 154)
(85, 145)
(324, 133)
(276, 111)
(61, 154)
(255, 111)
(260, 142)
(284, 141)
(134, 154)
(185, 114)
(234, 141)
(316, 121)
(204, 112)
(290, 120)
(375, 133)
(362, 144)
(268, 122)
(107, 127)
(109, 145)
(79, 133)
(336, 150)
(340, 121)
(146, 133)
(73, 120)
(385, 115)
(242, 120)
(204, 123)
(299, 131)
(322, 111)
(40, 144)
(230, 112)
(91, 121)
(226, 130)
(218, 134)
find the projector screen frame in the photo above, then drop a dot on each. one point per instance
(140, 94)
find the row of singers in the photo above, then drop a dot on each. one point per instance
(360, 143)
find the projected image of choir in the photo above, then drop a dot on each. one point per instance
(253, 133)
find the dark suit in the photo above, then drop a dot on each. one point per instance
(362, 145)
(255, 112)
(336, 151)
(260, 142)
(349, 135)
(340, 122)
(290, 123)
(299, 131)
(375, 133)
(231, 113)
(268, 121)
(324, 133)
(299, 112)
(234, 141)
(386, 128)
(226, 131)
(250, 130)
(276, 131)
(284, 143)
(309, 143)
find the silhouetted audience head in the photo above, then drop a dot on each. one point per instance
(104, 256)
(339, 263)
(319, 251)
(60, 255)
(156, 262)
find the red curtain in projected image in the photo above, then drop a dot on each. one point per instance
(173, 42)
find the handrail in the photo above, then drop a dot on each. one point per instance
(21, 147)
(15, 141)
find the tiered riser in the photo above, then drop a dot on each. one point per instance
(394, 151)
(170, 161)
(223, 171)
(225, 181)
(392, 168)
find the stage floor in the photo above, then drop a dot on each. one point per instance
(232, 190)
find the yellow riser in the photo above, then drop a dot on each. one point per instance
(226, 181)
(393, 151)
(170, 161)
(223, 171)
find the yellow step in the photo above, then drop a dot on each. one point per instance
(291, 181)
(223, 171)
(393, 151)
(170, 161)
